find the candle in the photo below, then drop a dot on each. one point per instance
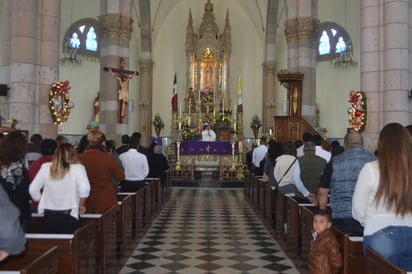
(180, 110)
(234, 111)
(223, 105)
(240, 144)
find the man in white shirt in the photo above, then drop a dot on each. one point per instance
(136, 167)
(258, 154)
(208, 134)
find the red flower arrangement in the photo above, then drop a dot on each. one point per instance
(358, 110)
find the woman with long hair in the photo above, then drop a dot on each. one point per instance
(13, 174)
(65, 189)
(382, 199)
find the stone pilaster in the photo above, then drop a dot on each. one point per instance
(30, 55)
(268, 98)
(145, 103)
(301, 35)
(384, 68)
(115, 32)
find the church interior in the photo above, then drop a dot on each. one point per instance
(170, 69)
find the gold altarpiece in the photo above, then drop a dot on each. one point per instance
(207, 98)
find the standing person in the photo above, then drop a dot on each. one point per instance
(48, 146)
(258, 155)
(274, 150)
(306, 137)
(339, 180)
(101, 167)
(382, 199)
(307, 172)
(157, 163)
(324, 254)
(136, 167)
(34, 148)
(125, 145)
(14, 176)
(208, 134)
(12, 238)
(65, 189)
(140, 148)
(284, 169)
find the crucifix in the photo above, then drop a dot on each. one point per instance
(122, 76)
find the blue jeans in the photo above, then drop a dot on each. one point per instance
(394, 243)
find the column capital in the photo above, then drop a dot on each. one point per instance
(115, 25)
(146, 65)
(269, 66)
(301, 28)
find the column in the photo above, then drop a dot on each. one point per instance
(301, 36)
(115, 33)
(30, 62)
(268, 100)
(384, 67)
(146, 95)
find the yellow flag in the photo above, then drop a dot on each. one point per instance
(239, 86)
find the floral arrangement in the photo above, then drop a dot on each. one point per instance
(255, 123)
(358, 110)
(158, 122)
(12, 123)
(59, 103)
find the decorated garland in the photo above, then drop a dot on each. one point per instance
(358, 110)
(59, 103)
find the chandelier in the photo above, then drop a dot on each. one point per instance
(70, 54)
(345, 58)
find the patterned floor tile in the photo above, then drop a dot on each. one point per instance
(208, 230)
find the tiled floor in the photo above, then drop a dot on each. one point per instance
(208, 230)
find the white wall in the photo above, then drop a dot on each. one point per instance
(334, 84)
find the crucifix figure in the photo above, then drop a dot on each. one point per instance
(122, 76)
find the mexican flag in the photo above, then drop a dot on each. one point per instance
(174, 95)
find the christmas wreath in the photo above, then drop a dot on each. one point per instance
(59, 103)
(358, 110)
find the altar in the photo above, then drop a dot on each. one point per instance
(206, 148)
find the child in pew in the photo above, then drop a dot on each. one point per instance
(65, 190)
(324, 255)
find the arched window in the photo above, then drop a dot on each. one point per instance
(334, 41)
(82, 39)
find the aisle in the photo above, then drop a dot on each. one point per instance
(208, 230)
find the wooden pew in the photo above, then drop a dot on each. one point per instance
(280, 218)
(306, 233)
(352, 255)
(376, 264)
(105, 227)
(294, 207)
(147, 217)
(270, 207)
(124, 229)
(27, 263)
(76, 252)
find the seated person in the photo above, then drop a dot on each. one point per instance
(208, 134)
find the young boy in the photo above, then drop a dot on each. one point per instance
(324, 255)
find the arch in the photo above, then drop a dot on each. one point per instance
(83, 35)
(333, 40)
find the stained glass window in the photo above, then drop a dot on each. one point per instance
(82, 36)
(333, 40)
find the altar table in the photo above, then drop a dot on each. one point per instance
(209, 148)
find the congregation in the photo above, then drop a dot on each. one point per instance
(356, 191)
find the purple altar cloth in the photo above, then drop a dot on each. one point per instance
(211, 148)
